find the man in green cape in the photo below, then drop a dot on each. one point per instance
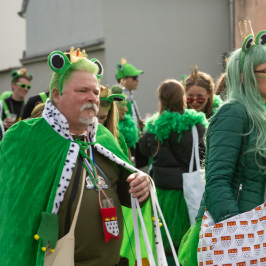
(41, 161)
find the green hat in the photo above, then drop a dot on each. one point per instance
(124, 70)
(20, 73)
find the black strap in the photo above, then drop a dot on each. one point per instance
(186, 169)
(73, 193)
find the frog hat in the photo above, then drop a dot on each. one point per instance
(124, 70)
(115, 94)
(249, 40)
(15, 74)
(60, 62)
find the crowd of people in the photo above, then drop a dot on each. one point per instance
(69, 161)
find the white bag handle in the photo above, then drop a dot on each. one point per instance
(195, 150)
(135, 203)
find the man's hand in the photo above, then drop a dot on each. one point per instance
(140, 186)
(8, 122)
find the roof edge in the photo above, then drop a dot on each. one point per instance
(90, 46)
(22, 12)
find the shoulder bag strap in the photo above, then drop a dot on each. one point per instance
(6, 110)
(176, 157)
(73, 194)
(43, 96)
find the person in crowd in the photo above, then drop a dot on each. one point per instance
(128, 76)
(63, 148)
(127, 127)
(108, 113)
(235, 164)
(13, 106)
(37, 111)
(221, 88)
(200, 93)
(34, 101)
(168, 140)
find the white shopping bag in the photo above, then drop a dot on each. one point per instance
(156, 207)
(193, 184)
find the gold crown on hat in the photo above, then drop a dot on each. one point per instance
(22, 71)
(123, 61)
(104, 91)
(75, 55)
(195, 74)
(246, 29)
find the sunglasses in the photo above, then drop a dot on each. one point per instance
(198, 100)
(23, 85)
(133, 77)
(261, 71)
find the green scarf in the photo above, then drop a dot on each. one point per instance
(162, 126)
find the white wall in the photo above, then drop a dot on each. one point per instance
(13, 34)
(54, 24)
(164, 38)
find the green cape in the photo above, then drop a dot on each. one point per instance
(29, 176)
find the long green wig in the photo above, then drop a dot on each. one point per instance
(243, 87)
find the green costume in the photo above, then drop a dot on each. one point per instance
(242, 187)
(129, 130)
(173, 127)
(30, 195)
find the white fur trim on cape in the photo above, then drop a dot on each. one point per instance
(59, 123)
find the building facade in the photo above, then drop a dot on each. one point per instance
(163, 38)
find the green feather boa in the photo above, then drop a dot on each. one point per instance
(129, 130)
(217, 102)
(162, 126)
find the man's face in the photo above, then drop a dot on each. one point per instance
(18, 89)
(131, 83)
(82, 89)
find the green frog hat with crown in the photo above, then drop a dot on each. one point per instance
(124, 70)
(250, 40)
(15, 74)
(60, 62)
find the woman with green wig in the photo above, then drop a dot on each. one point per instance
(168, 140)
(235, 162)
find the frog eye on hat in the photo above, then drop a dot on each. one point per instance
(100, 72)
(117, 97)
(14, 74)
(247, 43)
(58, 62)
(261, 38)
(119, 66)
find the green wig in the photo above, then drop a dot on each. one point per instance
(243, 87)
(82, 65)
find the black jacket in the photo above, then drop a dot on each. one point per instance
(167, 172)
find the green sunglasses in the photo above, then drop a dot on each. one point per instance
(23, 85)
